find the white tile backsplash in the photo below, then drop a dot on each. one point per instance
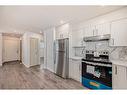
(90, 46)
(115, 52)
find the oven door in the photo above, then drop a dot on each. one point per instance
(96, 76)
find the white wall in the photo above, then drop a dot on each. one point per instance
(49, 38)
(25, 55)
(42, 47)
(26, 47)
(0, 49)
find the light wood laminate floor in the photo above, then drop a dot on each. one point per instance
(16, 76)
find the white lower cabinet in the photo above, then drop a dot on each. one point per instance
(119, 77)
(75, 69)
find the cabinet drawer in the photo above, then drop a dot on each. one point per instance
(93, 84)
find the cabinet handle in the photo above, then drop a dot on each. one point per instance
(113, 41)
(116, 70)
(93, 32)
(54, 48)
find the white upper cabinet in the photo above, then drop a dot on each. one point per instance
(62, 31)
(102, 29)
(62, 34)
(119, 33)
(96, 30)
(89, 31)
(77, 37)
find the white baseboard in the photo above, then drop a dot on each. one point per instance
(25, 65)
(34, 65)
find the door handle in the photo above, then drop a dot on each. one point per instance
(54, 52)
(116, 70)
(112, 41)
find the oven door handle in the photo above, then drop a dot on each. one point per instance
(91, 63)
(88, 63)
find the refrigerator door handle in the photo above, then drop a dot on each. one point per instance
(54, 49)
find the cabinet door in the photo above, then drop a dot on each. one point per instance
(77, 37)
(75, 69)
(71, 68)
(59, 34)
(65, 34)
(77, 74)
(89, 31)
(102, 29)
(119, 32)
(119, 77)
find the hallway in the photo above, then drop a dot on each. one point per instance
(16, 76)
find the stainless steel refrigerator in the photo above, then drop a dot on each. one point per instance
(62, 57)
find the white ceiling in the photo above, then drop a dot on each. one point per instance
(36, 18)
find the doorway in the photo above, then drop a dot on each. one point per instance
(11, 48)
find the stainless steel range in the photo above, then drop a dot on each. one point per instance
(97, 70)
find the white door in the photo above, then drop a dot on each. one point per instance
(34, 51)
(11, 49)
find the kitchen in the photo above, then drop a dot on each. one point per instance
(68, 50)
(63, 47)
(100, 43)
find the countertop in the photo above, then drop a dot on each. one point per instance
(119, 62)
(76, 57)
